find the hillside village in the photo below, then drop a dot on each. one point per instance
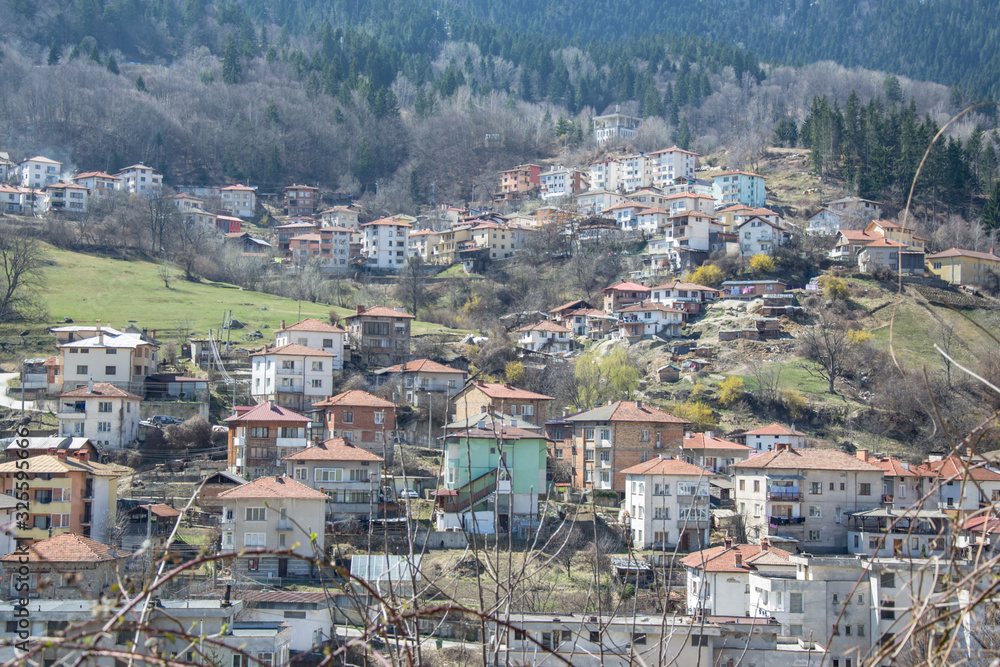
(732, 523)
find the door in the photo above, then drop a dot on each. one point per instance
(897, 547)
(685, 542)
(282, 567)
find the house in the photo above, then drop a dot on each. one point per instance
(260, 436)
(101, 412)
(758, 235)
(911, 533)
(10, 199)
(739, 187)
(847, 212)
(481, 397)
(668, 373)
(596, 200)
(423, 244)
(340, 216)
(214, 484)
(622, 295)
(140, 180)
(422, 376)
(379, 336)
(292, 375)
(626, 214)
(317, 335)
(63, 197)
(751, 289)
(767, 438)
(247, 244)
(667, 504)
(802, 495)
(361, 419)
(228, 224)
(491, 473)
(615, 127)
(651, 221)
(604, 175)
(901, 484)
(121, 359)
(273, 513)
(285, 233)
(349, 476)
(68, 493)
(681, 295)
(545, 336)
(689, 231)
(650, 319)
(154, 523)
(383, 244)
(301, 200)
(849, 243)
(718, 578)
(957, 484)
(240, 200)
(519, 182)
(670, 164)
(711, 453)
(886, 255)
(8, 169)
(616, 436)
(965, 267)
(66, 566)
(171, 386)
(689, 201)
(562, 182)
(39, 171)
(51, 444)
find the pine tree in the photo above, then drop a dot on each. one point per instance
(140, 84)
(112, 64)
(231, 70)
(271, 114)
(53, 55)
(414, 186)
(991, 211)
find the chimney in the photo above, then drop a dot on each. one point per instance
(100, 333)
(862, 454)
(728, 542)
(83, 455)
(782, 446)
(638, 404)
(358, 310)
(282, 324)
(90, 385)
(61, 454)
(739, 559)
(229, 590)
(763, 544)
(277, 478)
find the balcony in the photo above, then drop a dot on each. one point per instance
(780, 521)
(86, 519)
(606, 465)
(788, 494)
(284, 525)
(297, 443)
(291, 389)
(504, 486)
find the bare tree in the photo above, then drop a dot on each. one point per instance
(411, 287)
(826, 345)
(766, 380)
(22, 260)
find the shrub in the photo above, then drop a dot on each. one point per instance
(730, 391)
(708, 275)
(795, 403)
(835, 288)
(699, 414)
(858, 337)
(761, 263)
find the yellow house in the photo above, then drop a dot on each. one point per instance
(892, 231)
(964, 267)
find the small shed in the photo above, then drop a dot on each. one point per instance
(632, 570)
(668, 373)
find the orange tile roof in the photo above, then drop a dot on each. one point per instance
(703, 441)
(806, 459)
(627, 287)
(666, 466)
(334, 449)
(272, 487)
(648, 305)
(772, 429)
(99, 390)
(736, 171)
(380, 311)
(295, 350)
(67, 548)
(355, 397)
(312, 324)
(498, 390)
(267, 412)
(162, 509)
(954, 468)
(723, 559)
(545, 325)
(856, 235)
(95, 174)
(885, 243)
(386, 221)
(892, 467)
(627, 411)
(421, 366)
(679, 284)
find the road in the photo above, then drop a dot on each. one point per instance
(9, 401)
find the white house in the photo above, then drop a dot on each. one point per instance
(383, 243)
(759, 235)
(545, 336)
(10, 199)
(686, 296)
(711, 453)
(650, 319)
(100, 184)
(687, 231)
(141, 180)
(273, 513)
(240, 200)
(346, 473)
(100, 412)
(562, 182)
(804, 496)
(123, 360)
(605, 175)
(614, 126)
(689, 201)
(422, 376)
(63, 197)
(39, 171)
(595, 201)
(626, 214)
(766, 438)
(957, 484)
(292, 375)
(672, 163)
(667, 504)
(317, 335)
(652, 221)
(718, 578)
(637, 172)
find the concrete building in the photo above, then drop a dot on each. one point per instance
(760, 236)
(422, 376)
(739, 187)
(292, 375)
(39, 171)
(383, 244)
(67, 566)
(481, 397)
(121, 359)
(273, 513)
(519, 182)
(362, 419)
(615, 127)
(140, 180)
(346, 473)
(316, 335)
(605, 175)
(965, 267)
(563, 182)
(718, 578)
(240, 200)
(647, 319)
(63, 197)
(545, 336)
(767, 438)
(301, 200)
(716, 455)
(379, 336)
(101, 412)
(803, 496)
(617, 297)
(672, 163)
(667, 503)
(260, 436)
(957, 484)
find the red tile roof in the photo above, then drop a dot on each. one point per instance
(67, 548)
(954, 468)
(295, 350)
(161, 509)
(545, 325)
(627, 287)
(334, 449)
(421, 366)
(892, 467)
(856, 235)
(95, 174)
(772, 429)
(680, 284)
(312, 324)
(648, 305)
(660, 466)
(380, 311)
(703, 441)
(956, 252)
(267, 412)
(272, 487)
(723, 559)
(806, 459)
(627, 411)
(497, 390)
(99, 390)
(572, 305)
(355, 397)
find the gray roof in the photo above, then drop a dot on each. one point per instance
(489, 419)
(385, 568)
(56, 442)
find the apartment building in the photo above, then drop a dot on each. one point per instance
(672, 163)
(617, 297)
(637, 172)
(379, 336)
(240, 200)
(901, 484)
(647, 319)
(292, 375)
(123, 359)
(739, 187)
(301, 200)
(273, 513)
(349, 476)
(545, 336)
(383, 244)
(803, 496)
(314, 334)
(957, 484)
(519, 182)
(563, 182)
(63, 197)
(100, 412)
(68, 493)
(686, 296)
(714, 454)
(615, 127)
(423, 244)
(140, 180)
(39, 171)
(668, 501)
(340, 216)
(596, 200)
(259, 436)
(481, 397)
(605, 175)
(619, 435)
(767, 438)
(422, 376)
(285, 233)
(362, 419)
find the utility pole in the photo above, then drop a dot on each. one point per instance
(430, 418)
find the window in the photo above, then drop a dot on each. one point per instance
(104, 427)
(287, 364)
(661, 513)
(699, 640)
(110, 370)
(861, 630)
(756, 486)
(329, 474)
(317, 383)
(888, 612)
(317, 365)
(645, 435)
(815, 511)
(864, 489)
(816, 488)
(81, 370)
(258, 432)
(265, 659)
(595, 636)
(301, 474)
(527, 410)
(588, 455)
(255, 540)
(588, 434)
(349, 417)
(256, 514)
(380, 417)
(814, 536)
(795, 630)
(888, 580)
(104, 406)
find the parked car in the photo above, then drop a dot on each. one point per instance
(409, 493)
(164, 420)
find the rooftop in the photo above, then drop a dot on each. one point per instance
(787, 458)
(667, 466)
(67, 548)
(295, 350)
(267, 412)
(99, 390)
(505, 390)
(630, 411)
(272, 487)
(355, 397)
(334, 449)
(312, 324)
